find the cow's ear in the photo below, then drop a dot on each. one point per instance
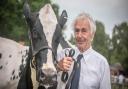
(58, 32)
(63, 18)
(61, 22)
(26, 10)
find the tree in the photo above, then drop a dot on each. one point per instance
(120, 44)
(101, 40)
(12, 21)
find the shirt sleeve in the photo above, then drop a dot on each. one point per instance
(105, 82)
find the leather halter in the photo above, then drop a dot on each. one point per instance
(41, 49)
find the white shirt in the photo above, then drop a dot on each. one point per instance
(95, 72)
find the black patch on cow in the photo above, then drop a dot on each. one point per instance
(26, 54)
(39, 40)
(0, 55)
(22, 60)
(41, 87)
(10, 55)
(13, 72)
(21, 68)
(19, 52)
(11, 78)
(63, 43)
(20, 74)
(25, 50)
(22, 56)
(14, 77)
(25, 60)
(1, 67)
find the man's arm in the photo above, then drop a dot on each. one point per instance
(105, 82)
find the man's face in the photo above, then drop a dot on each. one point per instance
(83, 34)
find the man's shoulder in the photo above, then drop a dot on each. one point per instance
(99, 56)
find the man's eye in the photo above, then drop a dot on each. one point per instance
(84, 30)
(77, 30)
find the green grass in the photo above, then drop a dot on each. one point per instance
(116, 86)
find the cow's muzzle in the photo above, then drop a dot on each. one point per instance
(48, 77)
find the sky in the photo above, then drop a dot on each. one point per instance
(109, 12)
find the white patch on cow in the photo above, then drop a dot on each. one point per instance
(49, 63)
(48, 20)
(11, 60)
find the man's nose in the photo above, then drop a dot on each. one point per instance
(79, 34)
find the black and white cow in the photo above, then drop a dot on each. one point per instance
(45, 36)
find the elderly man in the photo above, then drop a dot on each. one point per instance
(94, 68)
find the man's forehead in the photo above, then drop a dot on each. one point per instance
(82, 23)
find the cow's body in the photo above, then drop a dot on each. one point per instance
(12, 61)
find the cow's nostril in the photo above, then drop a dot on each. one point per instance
(54, 78)
(42, 77)
(42, 74)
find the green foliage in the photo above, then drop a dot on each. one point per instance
(37, 4)
(101, 40)
(120, 44)
(72, 40)
(12, 21)
(56, 9)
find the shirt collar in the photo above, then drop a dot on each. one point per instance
(84, 53)
(87, 51)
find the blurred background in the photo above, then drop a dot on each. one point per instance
(111, 38)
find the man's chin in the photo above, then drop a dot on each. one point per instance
(80, 46)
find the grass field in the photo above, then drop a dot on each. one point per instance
(117, 86)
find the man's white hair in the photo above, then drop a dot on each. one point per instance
(83, 16)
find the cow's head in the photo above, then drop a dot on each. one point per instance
(45, 34)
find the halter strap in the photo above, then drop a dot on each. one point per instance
(43, 48)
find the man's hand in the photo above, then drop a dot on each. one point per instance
(65, 63)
